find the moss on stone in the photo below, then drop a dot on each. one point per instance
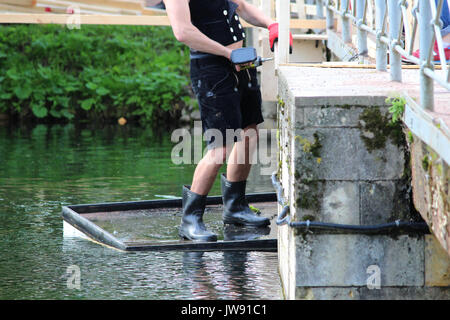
(376, 128)
(281, 105)
(309, 195)
(410, 137)
(439, 169)
(311, 147)
(425, 163)
(309, 217)
(316, 146)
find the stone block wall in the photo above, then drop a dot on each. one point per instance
(431, 185)
(340, 161)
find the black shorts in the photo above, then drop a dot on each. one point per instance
(228, 100)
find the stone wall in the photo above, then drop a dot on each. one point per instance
(430, 181)
(341, 161)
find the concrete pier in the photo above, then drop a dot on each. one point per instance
(341, 161)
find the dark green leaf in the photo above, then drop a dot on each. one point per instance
(87, 104)
(23, 92)
(39, 110)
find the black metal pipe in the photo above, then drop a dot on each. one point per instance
(420, 227)
(283, 218)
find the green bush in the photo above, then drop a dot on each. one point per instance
(397, 108)
(97, 72)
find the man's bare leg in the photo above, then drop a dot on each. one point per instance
(238, 167)
(207, 169)
(235, 206)
(194, 198)
(239, 161)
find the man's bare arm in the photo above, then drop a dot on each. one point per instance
(179, 16)
(252, 14)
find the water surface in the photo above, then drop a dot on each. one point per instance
(45, 167)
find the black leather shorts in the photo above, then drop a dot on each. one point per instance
(228, 100)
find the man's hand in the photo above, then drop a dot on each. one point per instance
(273, 36)
(243, 58)
(239, 67)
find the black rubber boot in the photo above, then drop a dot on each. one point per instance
(235, 205)
(192, 226)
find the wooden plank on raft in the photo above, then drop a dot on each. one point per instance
(35, 18)
(37, 9)
(340, 64)
(154, 12)
(84, 8)
(23, 3)
(310, 37)
(10, 8)
(145, 20)
(121, 4)
(308, 24)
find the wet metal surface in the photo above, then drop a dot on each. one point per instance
(156, 225)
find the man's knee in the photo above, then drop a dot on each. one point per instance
(253, 132)
(250, 135)
(216, 156)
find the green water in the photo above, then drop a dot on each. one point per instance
(45, 167)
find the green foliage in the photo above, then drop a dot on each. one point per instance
(377, 127)
(96, 72)
(425, 163)
(410, 137)
(397, 108)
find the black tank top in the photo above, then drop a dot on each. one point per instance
(217, 19)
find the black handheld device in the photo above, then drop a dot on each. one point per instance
(243, 55)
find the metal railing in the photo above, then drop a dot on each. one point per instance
(394, 34)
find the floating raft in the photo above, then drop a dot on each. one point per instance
(153, 225)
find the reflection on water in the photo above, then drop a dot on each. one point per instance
(44, 168)
(111, 274)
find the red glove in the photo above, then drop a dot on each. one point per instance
(273, 36)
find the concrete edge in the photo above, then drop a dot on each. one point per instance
(327, 100)
(428, 129)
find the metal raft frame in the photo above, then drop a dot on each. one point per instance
(73, 215)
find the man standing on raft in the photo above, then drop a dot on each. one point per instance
(229, 99)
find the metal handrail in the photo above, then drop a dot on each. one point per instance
(390, 18)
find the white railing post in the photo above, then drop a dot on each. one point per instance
(319, 9)
(329, 15)
(426, 39)
(395, 59)
(346, 35)
(360, 19)
(283, 18)
(381, 55)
